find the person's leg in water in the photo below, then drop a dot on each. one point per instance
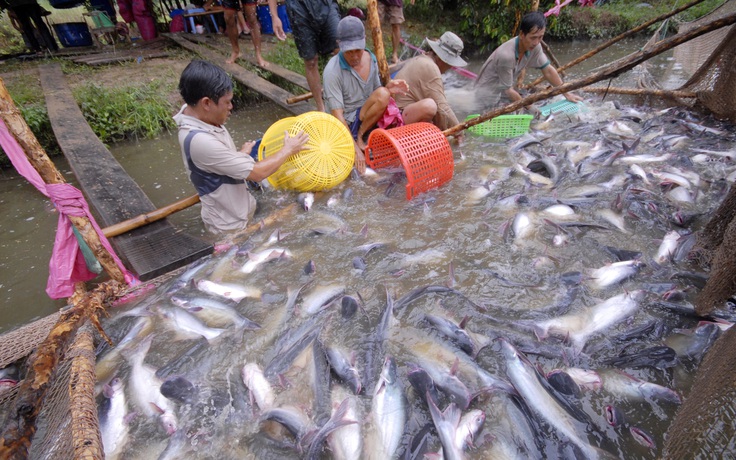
(231, 29)
(255, 30)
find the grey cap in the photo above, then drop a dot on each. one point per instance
(350, 34)
(448, 48)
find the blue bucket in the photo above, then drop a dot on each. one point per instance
(73, 34)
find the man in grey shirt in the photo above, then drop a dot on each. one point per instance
(495, 84)
(352, 87)
(216, 167)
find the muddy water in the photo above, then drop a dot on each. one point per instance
(458, 235)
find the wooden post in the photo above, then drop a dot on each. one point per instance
(374, 23)
(37, 156)
(618, 38)
(611, 70)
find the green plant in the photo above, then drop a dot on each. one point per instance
(116, 114)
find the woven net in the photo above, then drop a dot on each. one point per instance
(709, 61)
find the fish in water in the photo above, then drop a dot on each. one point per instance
(306, 200)
(578, 327)
(525, 379)
(230, 291)
(113, 414)
(447, 424)
(320, 297)
(344, 366)
(613, 273)
(258, 258)
(260, 390)
(145, 389)
(388, 413)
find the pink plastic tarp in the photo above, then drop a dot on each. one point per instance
(67, 261)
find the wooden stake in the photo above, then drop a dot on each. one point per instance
(374, 23)
(618, 38)
(613, 69)
(147, 218)
(37, 156)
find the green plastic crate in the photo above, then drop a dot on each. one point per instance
(502, 125)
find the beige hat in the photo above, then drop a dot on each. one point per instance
(448, 48)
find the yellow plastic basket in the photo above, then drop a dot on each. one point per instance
(502, 125)
(323, 163)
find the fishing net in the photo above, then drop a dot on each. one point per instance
(703, 427)
(709, 61)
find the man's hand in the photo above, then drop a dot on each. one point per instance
(572, 97)
(359, 160)
(397, 87)
(278, 27)
(248, 147)
(294, 144)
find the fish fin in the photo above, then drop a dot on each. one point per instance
(455, 365)
(194, 309)
(464, 322)
(250, 255)
(129, 417)
(364, 230)
(156, 408)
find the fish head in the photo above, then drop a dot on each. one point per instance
(115, 386)
(169, 422)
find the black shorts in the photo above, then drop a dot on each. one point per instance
(314, 26)
(231, 4)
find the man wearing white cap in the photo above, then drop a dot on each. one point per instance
(425, 100)
(352, 86)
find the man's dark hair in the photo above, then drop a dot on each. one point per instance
(203, 79)
(531, 21)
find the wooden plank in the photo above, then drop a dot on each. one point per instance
(111, 58)
(249, 79)
(148, 251)
(282, 72)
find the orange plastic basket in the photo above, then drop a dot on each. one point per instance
(420, 148)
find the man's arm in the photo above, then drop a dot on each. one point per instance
(264, 168)
(278, 27)
(551, 75)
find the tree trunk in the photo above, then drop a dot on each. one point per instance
(374, 23)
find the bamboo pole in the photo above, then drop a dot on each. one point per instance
(618, 38)
(300, 98)
(374, 22)
(641, 92)
(20, 423)
(611, 70)
(147, 218)
(18, 127)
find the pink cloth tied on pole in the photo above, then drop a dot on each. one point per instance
(391, 117)
(67, 265)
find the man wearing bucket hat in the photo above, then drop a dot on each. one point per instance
(426, 100)
(217, 169)
(495, 84)
(353, 91)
